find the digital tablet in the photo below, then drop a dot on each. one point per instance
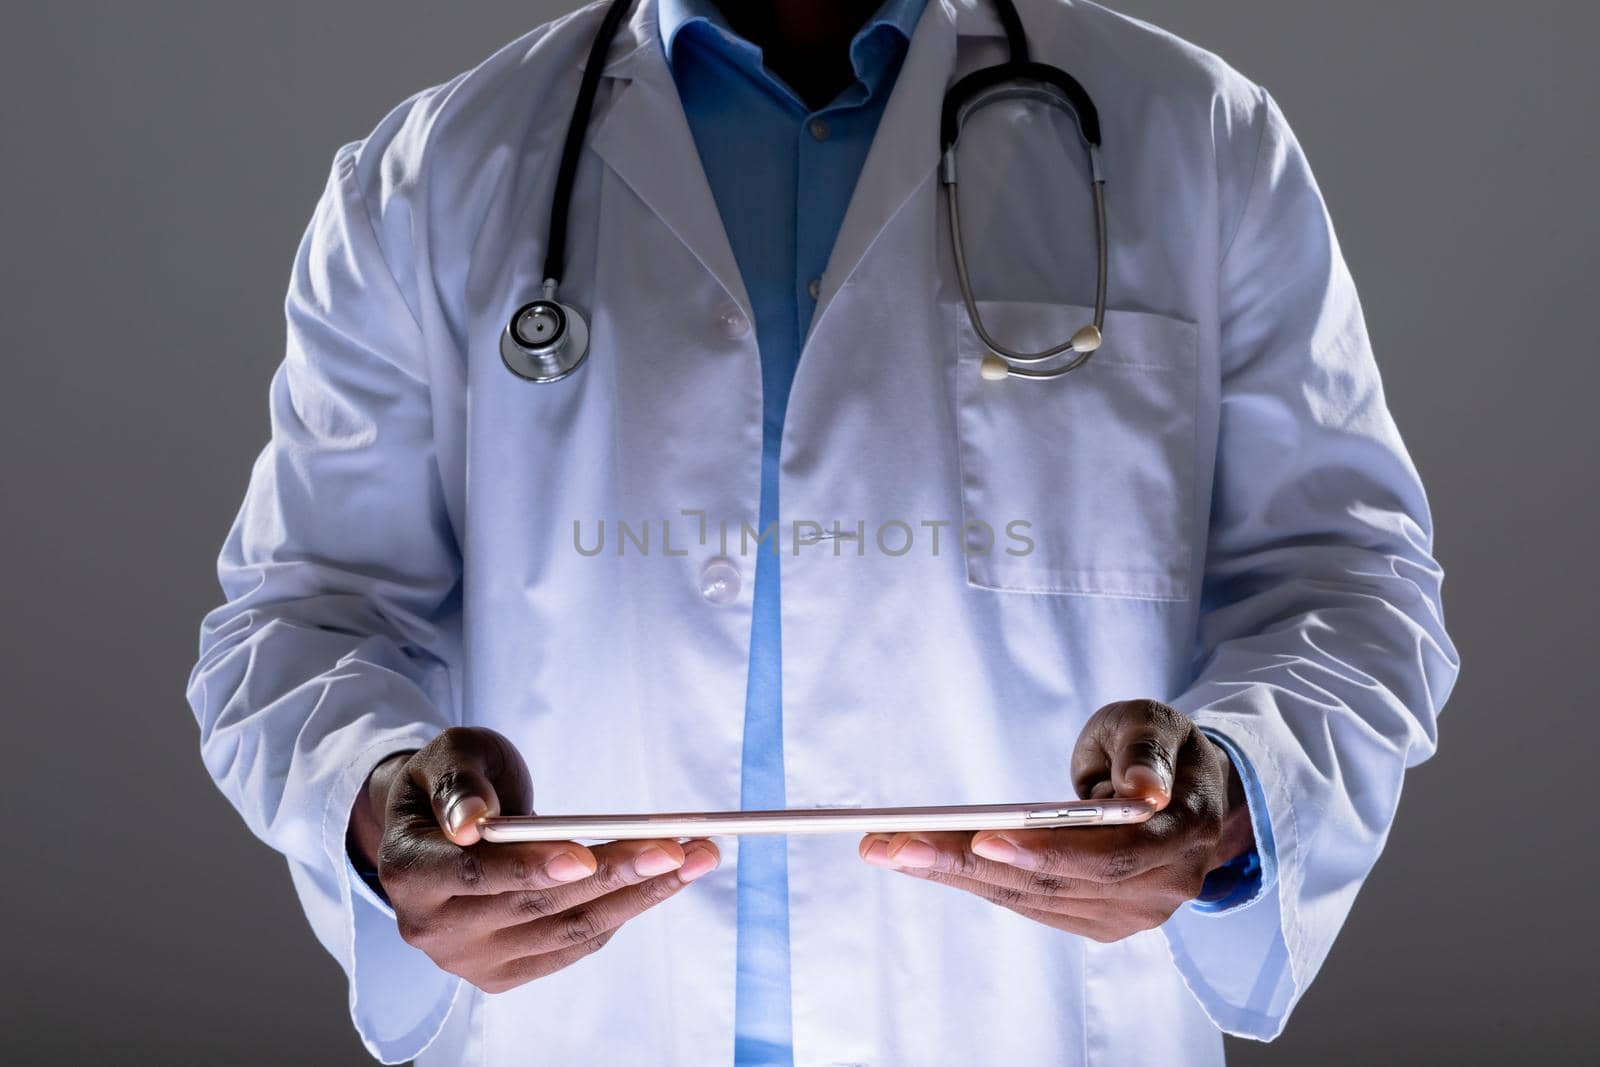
(1116, 811)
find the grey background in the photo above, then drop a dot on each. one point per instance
(158, 162)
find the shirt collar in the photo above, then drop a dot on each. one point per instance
(872, 49)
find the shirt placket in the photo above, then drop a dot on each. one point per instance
(818, 156)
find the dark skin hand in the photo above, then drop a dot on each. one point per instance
(1108, 882)
(500, 915)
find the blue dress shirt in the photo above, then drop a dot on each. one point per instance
(782, 175)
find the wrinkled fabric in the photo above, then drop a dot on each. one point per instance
(1217, 511)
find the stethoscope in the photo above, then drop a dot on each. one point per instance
(546, 340)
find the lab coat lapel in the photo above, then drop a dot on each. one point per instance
(645, 137)
(905, 148)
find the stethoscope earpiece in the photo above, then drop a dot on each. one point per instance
(545, 341)
(996, 368)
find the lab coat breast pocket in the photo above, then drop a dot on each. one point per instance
(1086, 481)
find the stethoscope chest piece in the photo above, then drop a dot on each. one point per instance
(545, 341)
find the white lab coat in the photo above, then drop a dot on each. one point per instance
(1223, 513)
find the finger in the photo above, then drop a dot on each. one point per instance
(946, 851)
(1144, 754)
(1098, 920)
(617, 866)
(1164, 887)
(982, 863)
(951, 854)
(590, 919)
(424, 866)
(1105, 854)
(467, 774)
(1103, 932)
(1134, 744)
(525, 969)
(1015, 894)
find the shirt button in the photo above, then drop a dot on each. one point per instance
(818, 128)
(814, 287)
(719, 581)
(734, 324)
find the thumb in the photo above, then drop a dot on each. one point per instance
(460, 798)
(1130, 749)
(1144, 754)
(459, 778)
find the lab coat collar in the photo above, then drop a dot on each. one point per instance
(872, 55)
(971, 18)
(645, 138)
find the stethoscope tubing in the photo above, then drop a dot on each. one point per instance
(552, 358)
(952, 200)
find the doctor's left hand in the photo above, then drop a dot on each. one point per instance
(1103, 882)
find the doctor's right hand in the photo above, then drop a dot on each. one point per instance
(499, 915)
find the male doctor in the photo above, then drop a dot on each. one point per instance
(1217, 590)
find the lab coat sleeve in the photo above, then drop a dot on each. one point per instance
(1322, 654)
(337, 642)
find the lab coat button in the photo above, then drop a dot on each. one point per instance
(819, 129)
(719, 581)
(734, 324)
(814, 287)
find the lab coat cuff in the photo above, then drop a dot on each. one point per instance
(399, 999)
(360, 886)
(1242, 964)
(362, 889)
(1251, 888)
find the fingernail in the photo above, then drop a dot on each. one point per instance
(996, 848)
(464, 811)
(877, 854)
(1145, 779)
(914, 853)
(653, 861)
(1005, 850)
(567, 868)
(696, 862)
